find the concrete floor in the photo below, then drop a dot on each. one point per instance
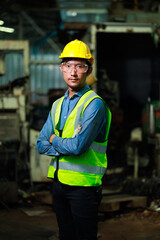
(39, 223)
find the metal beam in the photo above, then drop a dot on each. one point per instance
(84, 2)
(57, 9)
(41, 32)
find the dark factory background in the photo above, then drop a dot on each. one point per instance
(124, 38)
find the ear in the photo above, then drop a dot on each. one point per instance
(60, 67)
(89, 71)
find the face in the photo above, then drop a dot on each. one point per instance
(75, 79)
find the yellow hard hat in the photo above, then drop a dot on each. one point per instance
(77, 49)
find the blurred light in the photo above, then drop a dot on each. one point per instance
(1, 22)
(71, 13)
(6, 29)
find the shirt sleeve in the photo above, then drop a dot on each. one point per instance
(93, 128)
(43, 144)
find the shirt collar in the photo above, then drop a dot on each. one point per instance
(80, 93)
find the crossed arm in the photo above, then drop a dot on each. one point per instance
(93, 128)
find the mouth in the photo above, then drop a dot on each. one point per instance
(73, 79)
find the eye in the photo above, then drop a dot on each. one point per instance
(68, 65)
(80, 66)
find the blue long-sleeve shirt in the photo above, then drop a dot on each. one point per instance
(93, 128)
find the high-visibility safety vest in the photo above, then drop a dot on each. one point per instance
(88, 168)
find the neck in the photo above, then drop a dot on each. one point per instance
(72, 92)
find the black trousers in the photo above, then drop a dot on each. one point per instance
(76, 211)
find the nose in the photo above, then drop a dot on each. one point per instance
(73, 70)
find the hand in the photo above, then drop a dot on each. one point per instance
(51, 138)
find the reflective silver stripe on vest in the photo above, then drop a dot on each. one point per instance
(98, 148)
(77, 120)
(79, 168)
(54, 107)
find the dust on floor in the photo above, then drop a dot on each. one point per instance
(39, 223)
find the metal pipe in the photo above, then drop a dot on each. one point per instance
(151, 119)
(41, 32)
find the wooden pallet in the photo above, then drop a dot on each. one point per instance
(114, 202)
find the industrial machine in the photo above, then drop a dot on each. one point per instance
(151, 131)
(13, 124)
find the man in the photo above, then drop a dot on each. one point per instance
(75, 135)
